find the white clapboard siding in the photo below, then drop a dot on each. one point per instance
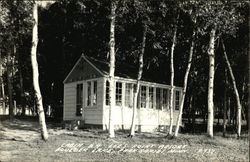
(69, 106)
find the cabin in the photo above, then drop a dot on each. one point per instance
(86, 97)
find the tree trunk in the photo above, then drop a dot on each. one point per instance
(237, 97)
(10, 86)
(21, 91)
(185, 85)
(140, 71)
(189, 109)
(35, 71)
(172, 79)
(225, 107)
(229, 110)
(193, 113)
(112, 70)
(211, 54)
(2, 84)
(218, 115)
(244, 117)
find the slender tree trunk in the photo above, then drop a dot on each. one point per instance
(229, 110)
(112, 70)
(204, 117)
(218, 115)
(185, 85)
(237, 97)
(211, 54)
(172, 79)
(4, 97)
(242, 100)
(140, 71)
(21, 91)
(190, 108)
(193, 113)
(225, 107)
(35, 71)
(2, 84)
(233, 115)
(10, 87)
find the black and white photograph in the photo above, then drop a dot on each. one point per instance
(124, 80)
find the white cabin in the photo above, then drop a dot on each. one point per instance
(86, 97)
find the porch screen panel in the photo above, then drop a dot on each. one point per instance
(158, 98)
(79, 99)
(143, 96)
(151, 97)
(129, 95)
(165, 98)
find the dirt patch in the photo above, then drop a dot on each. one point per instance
(20, 141)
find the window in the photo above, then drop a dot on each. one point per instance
(143, 96)
(165, 98)
(107, 93)
(129, 95)
(88, 93)
(94, 99)
(151, 97)
(158, 98)
(118, 94)
(91, 93)
(177, 100)
(79, 98)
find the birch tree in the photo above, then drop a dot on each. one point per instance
(191, 51)
(2, 82)
(215, 18)
(140, 71)
(237, 97)
(141, 14)
(35, 72)
(112, 69)
(211, 54)
(9, 85)
(174, 41)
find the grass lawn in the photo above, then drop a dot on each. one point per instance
(20, 141)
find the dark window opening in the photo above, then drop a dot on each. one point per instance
(79, 99)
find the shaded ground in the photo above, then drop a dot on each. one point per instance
(20, 141)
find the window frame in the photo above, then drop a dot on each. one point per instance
(94, 94)
(118, 93)
(107, 96)
(177, 100)
(79, 99)
(91, 93)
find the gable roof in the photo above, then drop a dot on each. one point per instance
(122, 69)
